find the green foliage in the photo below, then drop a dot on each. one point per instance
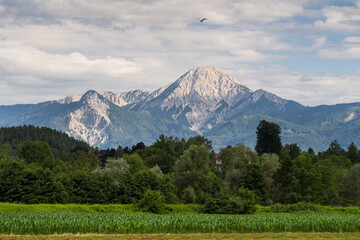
(199, 140)
(268, 138)
(153, 202)
(192, 169)
(188, 195)
(93, 177)
(155, 156)
(157, 170)
(237, 161)
(11, 180)
(308, 208)
(116, 168)
(254, 180)
(350, 185)
(29, 184)
(334, 149)
(59, 142)
(94, 208)
(293, 150)
(224, 204)
(353, 153)
(37, 152)
(113, 223)
(306, 180)
(80, 160)
(270, 164)
(85, 187)
(135, 162)
(249, 198)
(185, 208)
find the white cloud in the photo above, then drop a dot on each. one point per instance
(319, 42)
(24, 60)
(308, 89)
(160, 11)
(347, 53)
(349, 48)
(121, 45)
(267, 11)
(340, 19)
(352, 40)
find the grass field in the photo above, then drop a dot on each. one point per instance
(93, 208)
(112, 223)
(171, 208)
(244, 236)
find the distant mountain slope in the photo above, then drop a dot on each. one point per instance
(202, 101)
(94, 119)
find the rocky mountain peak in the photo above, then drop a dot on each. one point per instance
(210, 83)
(195, 95)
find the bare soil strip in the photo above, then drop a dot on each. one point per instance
(282, 236)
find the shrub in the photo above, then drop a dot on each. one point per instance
(250, 199)
(224, 204)
(189, 195)
(153, 201)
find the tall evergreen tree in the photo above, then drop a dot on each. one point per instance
(353, 153)
(268, 138)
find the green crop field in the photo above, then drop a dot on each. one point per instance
(112, 223)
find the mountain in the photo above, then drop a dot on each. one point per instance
(95, 119)
(195, 96)
(202, 101)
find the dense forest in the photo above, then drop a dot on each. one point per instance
(41, 165)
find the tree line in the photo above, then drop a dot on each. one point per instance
(174, 170)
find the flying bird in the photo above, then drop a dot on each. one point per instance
(201, 20)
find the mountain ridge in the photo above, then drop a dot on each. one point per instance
(202, 101)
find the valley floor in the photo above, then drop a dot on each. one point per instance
(243, 236)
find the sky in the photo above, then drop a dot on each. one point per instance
(302, 50)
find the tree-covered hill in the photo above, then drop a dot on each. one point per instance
(59, 142)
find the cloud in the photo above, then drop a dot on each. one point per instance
(349, 48)
(309, 89)
(319, 42)
(347, 53)
(157, 12)
(352, 40)
(24, 60)
(71, 46)
(340, 19)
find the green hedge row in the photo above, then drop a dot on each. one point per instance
(95, 208)
(171, 208)
(302, 207)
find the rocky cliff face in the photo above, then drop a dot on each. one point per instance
(90, 121)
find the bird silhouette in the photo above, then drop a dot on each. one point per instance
(201, 20)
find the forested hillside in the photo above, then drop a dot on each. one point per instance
(174, 170)
(59, 142)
